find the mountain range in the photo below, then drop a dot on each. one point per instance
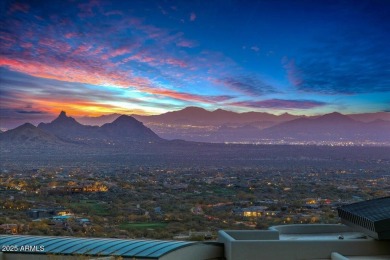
(202, 117)
(66, 130)
(330, 127)
(196, 124)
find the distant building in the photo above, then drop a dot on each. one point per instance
(254, 211)
(83, 221)
(46, 212)
(9, 228)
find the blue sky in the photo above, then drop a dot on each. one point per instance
(149, 57)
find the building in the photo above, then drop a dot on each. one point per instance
(9, 228)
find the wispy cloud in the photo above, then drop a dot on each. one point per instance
(192, 17)
(348, 64)
(87, 8)
(249, 85)
(70, 53)
(281, 104)
(186, 43)
(19, 7)
(52, 96)
(29, 112)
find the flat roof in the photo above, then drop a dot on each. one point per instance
(147, 249)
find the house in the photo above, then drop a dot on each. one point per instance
(9, 228)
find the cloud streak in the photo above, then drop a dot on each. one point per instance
(250, 85)
(192, 17)
(281, 104)
(71, 57)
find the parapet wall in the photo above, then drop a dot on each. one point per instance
(268, 244)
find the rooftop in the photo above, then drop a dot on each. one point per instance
(371, 217)
(373, 210)
(126, 248)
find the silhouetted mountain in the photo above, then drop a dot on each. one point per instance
(28, 134)
(333, 127)
(380, 129)
(124, 128)
(127, 128)
(369, 117)
(68, 128)
(219, 117)
(198, 124)
(97, 121)
(329, 127)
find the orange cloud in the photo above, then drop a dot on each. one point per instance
(80, 73)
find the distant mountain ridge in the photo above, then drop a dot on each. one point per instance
(369, 117)
(200, 116)
(197, 124)
(97, 120)
(218, 117)
(329, 127)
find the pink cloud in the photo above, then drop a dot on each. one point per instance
(19, 7)
(154, 60)
(175, 62)
(114, 12)
(72, 70)
(192, 17)
(80, 71)
(141, 57)
(82, 49)
(293, 73)
(78, 60)
(59, 46)
(97, 50)
(189, 96)
(7, 40)
(186, 43)
(87, 9)
(70, 35)
(26, 45)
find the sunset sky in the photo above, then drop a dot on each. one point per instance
(149, 57)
